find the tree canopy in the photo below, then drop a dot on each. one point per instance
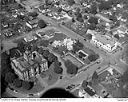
(105, 5)
(42, 24)
(93, 8)
(5, 64)
(52, 57)
(26, 85)
(78, 46)
(17, 83)
(93, 57)
(95, 75)
(44, 43)
(9, 77)
(33, 14)
(84, 84)
(57, 68)
(71, 68)
(45, 54)
(124, 84)
(14, 53)
(70, 2)
(88, 36)
(93, 20)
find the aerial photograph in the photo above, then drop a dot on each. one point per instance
(64, 48)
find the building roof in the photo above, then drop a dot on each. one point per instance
(27, 61)
(105, 39)
(89, 91)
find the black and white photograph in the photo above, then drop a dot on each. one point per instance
(75, 49)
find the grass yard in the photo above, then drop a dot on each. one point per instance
(50, 77)
(73, 60)
(58, 37)
(88, 51)
(37, 88)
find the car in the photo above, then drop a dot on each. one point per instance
(70, 87)
(31, 95)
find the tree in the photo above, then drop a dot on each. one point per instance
(105, 5)
(117, 36)
(80, 19)
(85, 17)
(48, 2)
(27, 29)
(26, 85)
(44, 43)
(9, 77)
(93, 57)
(5, 64)
(78, 46)
(46, 53)
(94, 76)
(71, 68)
(113, 18)
(123, 82)
(34, 47)
(21, 17)
(41, 51)
(92, 26)
(89, 36)
(52, 57)
(4, 85)
(33, 14)
(14, 53)
(70, 2)
(93, 20)
(58, 69)
(17, 83)
(93, 8)
(42, 24)
(84, 84)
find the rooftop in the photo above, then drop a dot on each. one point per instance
(29, 60)
(104, 39)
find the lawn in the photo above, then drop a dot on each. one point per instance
(58, 37)
(37, 88)
(50, 76)
(88, 51)
(73, 60)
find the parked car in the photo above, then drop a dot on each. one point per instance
(70, 87)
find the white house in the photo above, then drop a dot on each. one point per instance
(104, 42)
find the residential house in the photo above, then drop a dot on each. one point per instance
(30, 38)
(29, 65)
(33, 23)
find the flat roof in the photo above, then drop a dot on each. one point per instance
(105, 39)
